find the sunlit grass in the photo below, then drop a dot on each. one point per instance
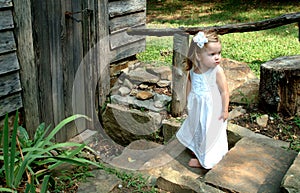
(253, 48)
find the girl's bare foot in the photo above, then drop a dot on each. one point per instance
(194, 163)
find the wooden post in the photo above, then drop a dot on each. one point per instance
(279, 85)
(103, 34)
(28, 68)
(179, 78)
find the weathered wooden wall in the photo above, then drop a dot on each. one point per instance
(54, 39)
(124, 14)
(10, 86)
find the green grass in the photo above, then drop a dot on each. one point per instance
(253, 48)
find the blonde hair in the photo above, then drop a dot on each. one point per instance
(195, 49)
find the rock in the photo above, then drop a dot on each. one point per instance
(133, 92)
(85, 137)
(136, 154)
(143, 86)
(262, 120)
(236, 132)
(163, 83)
(159, 104)
(144, 95)
(140, 75)
(122, 100)
(164, 72)
(247, 93)
(178, 182)
(114, 90)
(123, 91)
(170, 127)
(125, 125)
(128, 84)
(236, 112)
(252, 165)
(291, 180)
(242, 82)
(135, 103)
(102, 182)
(164, 99)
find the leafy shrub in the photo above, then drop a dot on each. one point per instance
(28, 164)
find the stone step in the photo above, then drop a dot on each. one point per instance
(252, 165)
(166, 166)
(291, 180)
(255, 164)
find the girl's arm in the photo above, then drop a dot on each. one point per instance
(188, 86)
(223, 88)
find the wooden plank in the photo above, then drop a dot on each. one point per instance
(5, 3)
(10, 103)
(72, 51)
(42, 31)
(54, 30)
(28, 68)
(130, 50)
(122, 7)
(6, 20)
(122, 39)
(10, 83)
(8, 63)
(7, 42)
(131, 20)
(179, 76)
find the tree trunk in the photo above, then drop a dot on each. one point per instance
(279, 89)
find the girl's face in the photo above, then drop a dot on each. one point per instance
(211, 54)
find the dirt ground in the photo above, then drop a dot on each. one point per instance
(279, 126)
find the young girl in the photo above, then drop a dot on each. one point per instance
(204, 130)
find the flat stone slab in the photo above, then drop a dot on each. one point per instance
(169, 170)
(236, 132)
(291, 180)
(252, 165)
(102, 182)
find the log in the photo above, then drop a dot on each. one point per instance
(225, 29)
(279, 89)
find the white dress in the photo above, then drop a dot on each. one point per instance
(202, 131)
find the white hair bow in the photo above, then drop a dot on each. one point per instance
(200, 39)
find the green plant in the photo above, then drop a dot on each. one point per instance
(297, 121)
(24, 160)
(68, 180)
(244, 98)
(254, 116)
(136, 181)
